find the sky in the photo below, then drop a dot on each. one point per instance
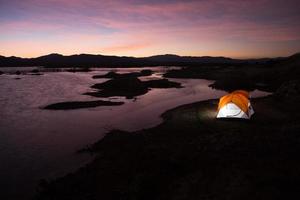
(232, 28)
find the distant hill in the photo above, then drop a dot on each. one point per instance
(89, 60)
(82, 60)
(291, 61)
(290, 66)
(285, 69)
(191, 59)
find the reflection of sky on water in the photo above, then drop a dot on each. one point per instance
(37, 143)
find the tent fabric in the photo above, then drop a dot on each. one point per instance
(235, 104)
(231, 111)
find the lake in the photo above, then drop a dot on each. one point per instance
(37, 143)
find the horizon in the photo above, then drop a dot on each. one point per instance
(166, 54)
(235, 29)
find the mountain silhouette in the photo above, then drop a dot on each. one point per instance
(89, 60)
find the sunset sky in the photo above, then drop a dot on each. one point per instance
(234, 28)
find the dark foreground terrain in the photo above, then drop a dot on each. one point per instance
(192, 155)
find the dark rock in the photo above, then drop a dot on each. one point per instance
(1, 73)
(36, 74)
(146, 72)
(126, 75)
(35, 71)
(18, 73)
(129, 87)
(80, 104)
(119, 83)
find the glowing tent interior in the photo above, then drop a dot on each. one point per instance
(235, 105)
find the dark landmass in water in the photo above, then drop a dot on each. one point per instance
(192, 155)
(129, 86)
(268, 76)
(79, 69)
(36, 74)
(81, 104)
(89, 60)
(112, 74)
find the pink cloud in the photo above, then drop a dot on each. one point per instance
(125, 48)
(123, 27)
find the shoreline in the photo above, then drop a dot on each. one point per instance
(191, 149)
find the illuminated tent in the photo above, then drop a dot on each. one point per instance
(235, 105)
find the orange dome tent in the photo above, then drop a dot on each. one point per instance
(235, 105)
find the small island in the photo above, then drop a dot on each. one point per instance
(80, 104)
(129, 87)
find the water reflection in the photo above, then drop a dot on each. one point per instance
(36, 143)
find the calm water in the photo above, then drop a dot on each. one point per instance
(36, 143)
